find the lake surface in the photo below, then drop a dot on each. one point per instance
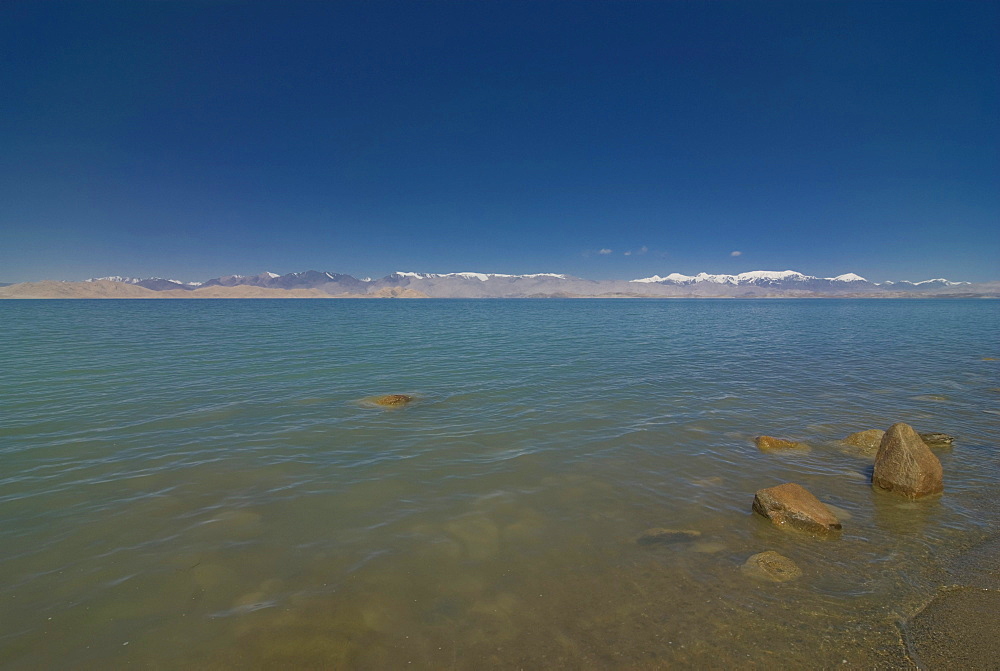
(199, 484)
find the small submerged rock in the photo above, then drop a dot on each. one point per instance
(771, 566)
(866, 440)
(905, 465)
(792, 506)
(772, 444)
(936, 398)
(478, 534)
(661, 536)
(871, 439)
(937, 440)
(391, 400)
(838, 512)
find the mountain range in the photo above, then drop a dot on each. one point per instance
(317, 284)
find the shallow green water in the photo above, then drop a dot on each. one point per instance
(196, 484)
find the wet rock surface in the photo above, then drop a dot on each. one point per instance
(905, 465)
(772, 444)
(793, 506)
(771, 566)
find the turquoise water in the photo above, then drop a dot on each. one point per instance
(199, 484)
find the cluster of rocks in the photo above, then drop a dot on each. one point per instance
(904, 465)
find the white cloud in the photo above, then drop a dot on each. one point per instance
(736, 253)
(605, 251)
(628, 253)
(643, 249)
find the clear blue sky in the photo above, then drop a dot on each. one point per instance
(191, 140)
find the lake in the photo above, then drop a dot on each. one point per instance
(201, 484)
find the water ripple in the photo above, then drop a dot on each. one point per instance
(220, 449)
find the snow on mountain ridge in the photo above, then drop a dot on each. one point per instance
(939, 280)
(482, 277)
(478, 284)
(116, 278)
(771, 275)
(750, 277)
(137, 280)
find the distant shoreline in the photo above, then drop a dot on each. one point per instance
(106, 289)
(315, 284)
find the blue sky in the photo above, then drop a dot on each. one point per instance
(192, 140)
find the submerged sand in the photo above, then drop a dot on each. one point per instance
(959, 627)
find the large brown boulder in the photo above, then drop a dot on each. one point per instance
(866, 440)
(905, 465)
(772, 444)
(792, 506)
